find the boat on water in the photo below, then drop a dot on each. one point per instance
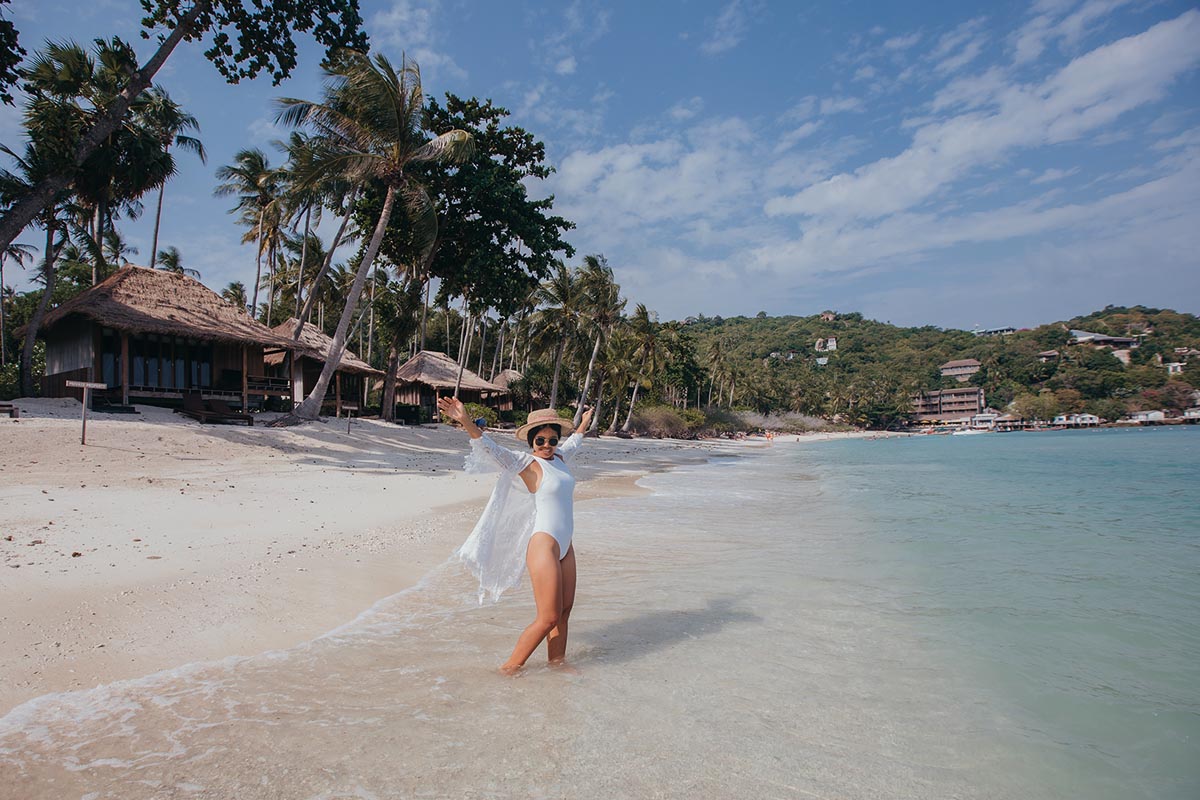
(969, 432)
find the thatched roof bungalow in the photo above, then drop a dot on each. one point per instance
(152, 335)
(303, 365)
(428, 375)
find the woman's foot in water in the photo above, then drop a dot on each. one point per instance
(560, 665)
(510, 670)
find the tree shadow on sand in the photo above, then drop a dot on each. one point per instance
(632, 638)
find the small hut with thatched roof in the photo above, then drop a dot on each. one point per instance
(504, 380)
(303, 364)
(153, 335)
(428, 375)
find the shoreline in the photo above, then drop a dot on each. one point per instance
(163, 543)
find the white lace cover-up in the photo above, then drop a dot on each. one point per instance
(495, 550)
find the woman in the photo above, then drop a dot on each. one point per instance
(543, 533)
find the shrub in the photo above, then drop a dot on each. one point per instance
(659, 421)
(475, 411)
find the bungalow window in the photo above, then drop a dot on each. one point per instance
(137, 355)
(110, 357)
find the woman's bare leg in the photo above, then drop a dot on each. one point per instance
(545, 574)
(556, 640)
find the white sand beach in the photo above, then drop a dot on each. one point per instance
(164, 542)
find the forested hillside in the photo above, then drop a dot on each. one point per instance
(771, 363)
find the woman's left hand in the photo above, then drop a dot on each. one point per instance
(585, 421)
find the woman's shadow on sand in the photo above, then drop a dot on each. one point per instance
(631, 638)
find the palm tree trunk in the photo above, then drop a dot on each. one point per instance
(257, 264)
(632, 402)
(425, 311)
(462, 363)
(42, 194)
(482, 343)
(44, 303)
(311, 407)
(157, 222)
(303, 259)
(599, 401)
(270, 279)
(3, 343)
(312, 293)
(495, 355)
(612, 427)
(587, 383)
(562, 346)
(371, 322)
(387, 408)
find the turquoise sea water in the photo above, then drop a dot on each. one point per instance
(1055, 578)
(1002, 616)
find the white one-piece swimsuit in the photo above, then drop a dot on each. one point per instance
(554, 504)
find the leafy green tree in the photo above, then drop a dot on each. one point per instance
(11, 54)
(18, 253)
(244, 39)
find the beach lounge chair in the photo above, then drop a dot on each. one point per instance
(227, 414)
(10, 409)
(193, 406)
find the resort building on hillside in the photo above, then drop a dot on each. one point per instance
(1047, 356)
(960, 370)
(828, 316)
(1175, 367)
(948, 405)
(827, 345)
(1077, 420)
(428, 375)
(995, 331)
(151, 336)
(1143, 417)
(1103, 340)
(302, 364)
(1192, 415)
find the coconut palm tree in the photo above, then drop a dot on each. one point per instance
(235, 294)
(67, 84)
(256, 184)
(561, 298)
(649, 356)
(168, 121)
(603, 306)
(32, 166)
(371, 127)
(19, 253)
(171, 260)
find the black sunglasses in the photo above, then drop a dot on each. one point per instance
(541, 440)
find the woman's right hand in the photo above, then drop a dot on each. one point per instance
(453, 408)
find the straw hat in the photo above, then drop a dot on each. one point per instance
(545, 416)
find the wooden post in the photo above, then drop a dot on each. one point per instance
(124, 369)
(245, 378)
(85, 385)
(337, 393)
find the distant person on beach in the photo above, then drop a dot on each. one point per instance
(512, 530)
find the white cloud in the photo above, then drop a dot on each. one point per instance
(902, 42)
(728, 29)
(566, 66)
(1091, 91)
(1054, 174)
(410, 26)
(686, 109)
(839, 105)
(1046, 26)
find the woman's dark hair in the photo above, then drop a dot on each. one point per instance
(530, 436)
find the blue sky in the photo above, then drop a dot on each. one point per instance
(944, 163)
